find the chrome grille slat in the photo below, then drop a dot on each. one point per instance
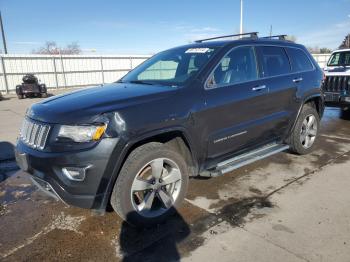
(28, 131)
(336, 84)
(44, 137)
(38, 136)
(34, 134)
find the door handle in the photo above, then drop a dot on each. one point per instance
(258, 88)
(297, 80)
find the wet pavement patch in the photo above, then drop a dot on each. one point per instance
(236, 212)
(10, 193)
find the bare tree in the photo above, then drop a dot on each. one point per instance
(318, 50)
(345, 43)
(51, 48)
(325, 50)
(72, 49)
(313, 49)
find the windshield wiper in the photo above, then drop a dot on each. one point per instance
(140, 82)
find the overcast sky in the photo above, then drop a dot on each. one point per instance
(144, 27)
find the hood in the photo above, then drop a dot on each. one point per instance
(84, 105)
(337, 70)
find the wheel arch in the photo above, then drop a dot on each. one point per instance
(317, 101)
(176, 138)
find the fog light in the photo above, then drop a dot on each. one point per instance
(75, 173)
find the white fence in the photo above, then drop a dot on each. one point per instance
(321, 59)
(74, 70)
(65, 71)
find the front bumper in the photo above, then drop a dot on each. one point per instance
(46, 170)
(337, 99)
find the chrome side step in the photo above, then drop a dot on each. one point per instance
(246, 159)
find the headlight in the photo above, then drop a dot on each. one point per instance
(82, 133)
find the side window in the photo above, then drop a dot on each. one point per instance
(275, 61)
(300, 62)
(237, 66)
(334, 60)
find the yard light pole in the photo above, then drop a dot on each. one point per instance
(241, 26)
(3, 34)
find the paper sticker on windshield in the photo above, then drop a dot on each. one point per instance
(197, 50)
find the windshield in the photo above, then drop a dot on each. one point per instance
(340, 59)
(171, 67)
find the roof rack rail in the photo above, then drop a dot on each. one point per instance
(253, 35)
(280, 37)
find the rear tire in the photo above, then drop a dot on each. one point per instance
(304, 135)
(143, 194)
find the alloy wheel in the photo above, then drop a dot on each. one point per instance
(308, 131)
(156, 187)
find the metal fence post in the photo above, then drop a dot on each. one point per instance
(130, 62)
(4, 74)
(64, 75)
(55, 70)
(102, 72)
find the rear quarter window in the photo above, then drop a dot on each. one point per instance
(274, 60)
(299, 60)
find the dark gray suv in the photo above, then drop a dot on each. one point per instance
(204, 109)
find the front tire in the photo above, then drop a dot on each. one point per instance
(304, 135)
(151, 185)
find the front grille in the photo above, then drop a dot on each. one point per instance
(337, 84)
(34, 134)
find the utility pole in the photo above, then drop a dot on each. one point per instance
(270, 30)
(241, 27)
(3, 34)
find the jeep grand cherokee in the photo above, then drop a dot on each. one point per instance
(205, 109)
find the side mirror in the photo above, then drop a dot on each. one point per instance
(211, 82)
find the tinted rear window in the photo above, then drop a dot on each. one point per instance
(299, 60)
(275, 61)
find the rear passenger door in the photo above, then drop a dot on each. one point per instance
(302, 68)
(277, 73)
